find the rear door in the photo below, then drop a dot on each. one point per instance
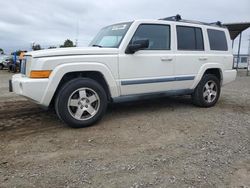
(219, 49)
(190, 54)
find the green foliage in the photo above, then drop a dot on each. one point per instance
(1, 51)
(67, 43)
(36, 47)
(51, 47)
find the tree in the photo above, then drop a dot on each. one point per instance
(36, 47)
(1, 51)
(67, 43)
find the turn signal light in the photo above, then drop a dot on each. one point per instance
(40, 73)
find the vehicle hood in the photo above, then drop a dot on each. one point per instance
(72, 52)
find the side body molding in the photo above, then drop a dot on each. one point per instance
(63, 69)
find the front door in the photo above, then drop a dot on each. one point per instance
(149, 70)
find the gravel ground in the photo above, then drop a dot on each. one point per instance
(164, 142)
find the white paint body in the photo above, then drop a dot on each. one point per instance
(116, 66)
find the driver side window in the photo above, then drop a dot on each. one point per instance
(158, 36)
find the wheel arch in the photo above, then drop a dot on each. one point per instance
(213, 68)
(65, 72)
(95, 75)
(215, 71)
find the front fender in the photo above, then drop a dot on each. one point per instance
(58, 73)
(203, 70)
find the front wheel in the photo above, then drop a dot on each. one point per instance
(81, 102)
(207, 92)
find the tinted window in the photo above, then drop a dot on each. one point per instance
(199, 39)
(189, 38)
(217, 40)
(158, 36)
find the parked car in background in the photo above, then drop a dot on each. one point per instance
(13, 66)
(1, 62)
(4, 60)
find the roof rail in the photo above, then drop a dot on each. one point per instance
(218, 23)
(178, 18)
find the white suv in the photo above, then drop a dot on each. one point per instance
(128, 60)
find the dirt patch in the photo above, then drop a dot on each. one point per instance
(165, 142)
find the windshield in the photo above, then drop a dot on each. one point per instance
(111, 36)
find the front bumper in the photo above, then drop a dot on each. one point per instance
(31, 88)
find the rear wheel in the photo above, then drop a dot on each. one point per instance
(207, 92)
(1, 66)
(81, 102)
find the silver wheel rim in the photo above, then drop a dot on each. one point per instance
(83, 104)
(210, 91)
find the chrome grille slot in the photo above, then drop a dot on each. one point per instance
(27, 67)
(23, 66)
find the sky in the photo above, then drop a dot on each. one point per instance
(51, 22)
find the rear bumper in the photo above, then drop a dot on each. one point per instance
(31, 88)
(229, 76)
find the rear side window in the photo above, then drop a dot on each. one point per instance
(217, 40)
(189, 38)
(158, 36)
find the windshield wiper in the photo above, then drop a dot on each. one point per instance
(96, 45)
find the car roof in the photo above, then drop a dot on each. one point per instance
(178, 19)
(191, 24)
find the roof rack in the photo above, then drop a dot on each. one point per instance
(178, 18)
(218, 23)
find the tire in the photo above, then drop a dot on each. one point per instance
(81, 102)
(207, 92)
(1, 66)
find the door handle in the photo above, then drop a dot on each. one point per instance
(166, 59)
(203, 58)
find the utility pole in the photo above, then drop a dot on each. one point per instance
(238, 55)
(248, 59)
(77, 33)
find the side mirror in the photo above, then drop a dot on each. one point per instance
(136, 46)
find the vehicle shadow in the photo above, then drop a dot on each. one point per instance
(145, 105)
(26, 117)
